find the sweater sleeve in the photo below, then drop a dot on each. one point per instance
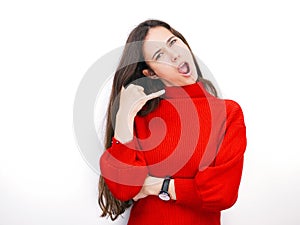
(216, 187)
(124, 169)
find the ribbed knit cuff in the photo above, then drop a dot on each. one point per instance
(130, 144)
(186, 192)
(126, 153)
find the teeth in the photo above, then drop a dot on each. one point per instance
(184, 68)
(181, 64)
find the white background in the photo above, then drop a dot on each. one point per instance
(251, 47)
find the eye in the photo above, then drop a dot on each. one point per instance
(173, 42)
(158, 55)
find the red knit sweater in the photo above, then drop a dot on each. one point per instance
(197, 139)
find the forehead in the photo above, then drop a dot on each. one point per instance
(155, 39)
(159, 34)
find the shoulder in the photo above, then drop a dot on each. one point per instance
(233, 105)
(234, 111)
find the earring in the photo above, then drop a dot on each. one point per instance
(154, 76)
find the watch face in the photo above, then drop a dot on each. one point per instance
(164, 196)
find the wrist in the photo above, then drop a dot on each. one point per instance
(164, 193)
(172, 189)
(153, 186)
(124, 131)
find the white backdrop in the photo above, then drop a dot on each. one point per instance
(251, 47)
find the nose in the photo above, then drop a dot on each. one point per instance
(174, 55)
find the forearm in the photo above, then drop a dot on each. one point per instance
(214, 189)
(124, 168)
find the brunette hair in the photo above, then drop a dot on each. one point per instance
(129, 70)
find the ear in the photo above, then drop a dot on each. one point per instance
(149, 73)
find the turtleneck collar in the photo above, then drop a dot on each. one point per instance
(195, 90)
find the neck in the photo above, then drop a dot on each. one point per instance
(193, 90)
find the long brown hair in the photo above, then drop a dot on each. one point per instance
(130, 70)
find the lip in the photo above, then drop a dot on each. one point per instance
(181, 65)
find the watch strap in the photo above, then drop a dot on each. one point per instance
(165, 185)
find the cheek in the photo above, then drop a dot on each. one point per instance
(162, 68)
(185, 52)
(183, 49)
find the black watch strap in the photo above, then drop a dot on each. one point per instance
(165, 185)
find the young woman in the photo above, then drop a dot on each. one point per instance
(174, 149)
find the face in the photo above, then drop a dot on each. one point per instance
(169, 58)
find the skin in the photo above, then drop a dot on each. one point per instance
(163, 52)
(172, 52)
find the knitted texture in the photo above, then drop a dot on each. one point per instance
(192, 136)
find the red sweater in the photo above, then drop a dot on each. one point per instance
(192, 136)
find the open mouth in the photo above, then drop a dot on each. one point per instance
(184, 68)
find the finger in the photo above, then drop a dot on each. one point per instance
(135, 86)
(139, 88)
(156, 94)
(152, 181)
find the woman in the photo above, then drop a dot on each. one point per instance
(174, 149)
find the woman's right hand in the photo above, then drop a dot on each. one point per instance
(132, 99)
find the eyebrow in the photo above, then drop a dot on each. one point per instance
(166, 43)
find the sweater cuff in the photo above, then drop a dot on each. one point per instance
(126, 153)
(186, 192)
(130, 144)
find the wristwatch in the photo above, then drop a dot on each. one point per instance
(164, 194)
